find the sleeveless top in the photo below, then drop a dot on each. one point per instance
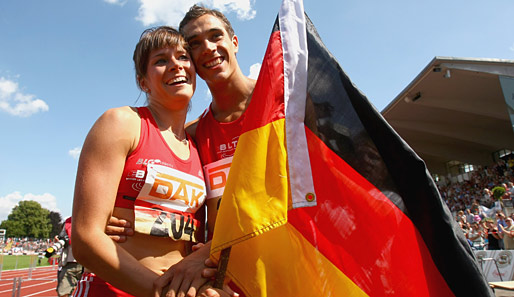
(217, 143)
(163, 190)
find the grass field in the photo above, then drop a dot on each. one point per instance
(8, 262)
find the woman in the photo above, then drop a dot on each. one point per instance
(476, 236)
(509, 233)
(493, 235)
(138, 164)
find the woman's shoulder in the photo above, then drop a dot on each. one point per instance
(118, 122)
(122, 113)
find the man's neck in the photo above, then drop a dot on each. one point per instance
(230, 100)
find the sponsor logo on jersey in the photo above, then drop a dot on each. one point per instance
(227, 149)
(167, 185)
(216, 175)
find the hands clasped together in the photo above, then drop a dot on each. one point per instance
(190, 277)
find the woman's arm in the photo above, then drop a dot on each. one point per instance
(101, 163)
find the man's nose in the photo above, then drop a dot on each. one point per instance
(208, 46)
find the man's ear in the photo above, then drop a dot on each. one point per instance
(235, 42)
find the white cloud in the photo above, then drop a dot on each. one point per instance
(152, 12)
(13, 101)
(254, 70)
(8, 202)
(243, 8)
(75, 152)
(116, 2)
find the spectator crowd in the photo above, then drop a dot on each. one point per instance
(487, 221)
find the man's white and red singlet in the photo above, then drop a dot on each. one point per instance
(216, 142)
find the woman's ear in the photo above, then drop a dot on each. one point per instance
(142, 84)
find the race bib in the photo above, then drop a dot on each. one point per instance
(167, 202)
(216, 175)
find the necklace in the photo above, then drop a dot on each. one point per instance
(183, 141)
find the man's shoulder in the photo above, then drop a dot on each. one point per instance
(191, 127)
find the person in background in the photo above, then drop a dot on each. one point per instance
(70, 271)
(500, 221)
(470, 216)
(508, 232)
(493, 235)
(476, 236)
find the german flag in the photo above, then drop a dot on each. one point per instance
(324, 198)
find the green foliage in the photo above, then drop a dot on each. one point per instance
(498, 192)
(28, 219)
(56, 221)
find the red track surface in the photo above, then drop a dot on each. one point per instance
(42, 283)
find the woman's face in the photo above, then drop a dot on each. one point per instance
(170, 75)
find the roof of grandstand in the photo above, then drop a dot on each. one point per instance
(456, 110)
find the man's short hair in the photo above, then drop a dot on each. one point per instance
(197, 11)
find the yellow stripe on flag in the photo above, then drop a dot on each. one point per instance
(257, 190)
(283, 262)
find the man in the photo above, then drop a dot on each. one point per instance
(213, 50)
(70, 271)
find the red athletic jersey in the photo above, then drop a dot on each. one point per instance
(152, 148)
(163, 190)
(216, 143)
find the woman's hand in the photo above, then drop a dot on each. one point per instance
(184, 278)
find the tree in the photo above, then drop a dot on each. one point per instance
(28, 219)
(56, 221)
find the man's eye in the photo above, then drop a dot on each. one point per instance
(194, 44)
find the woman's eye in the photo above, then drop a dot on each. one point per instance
(160, 62)
(184, 57)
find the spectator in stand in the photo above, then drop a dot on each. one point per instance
(466, 228)
(500, 221)
(476, 236)
(493, 235)
(488, 197)
(461, 217)
(510, 189)
(469, 215)
(508, 237)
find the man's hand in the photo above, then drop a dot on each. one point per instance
(118, 229)
(210, 270)
(211, 292)
(185, 277)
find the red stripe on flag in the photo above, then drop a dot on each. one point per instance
(267, 103)
(363, 233)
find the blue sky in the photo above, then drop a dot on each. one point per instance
(63, 63)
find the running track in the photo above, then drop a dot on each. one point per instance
(42, 284)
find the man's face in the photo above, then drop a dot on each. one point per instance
(212, 49)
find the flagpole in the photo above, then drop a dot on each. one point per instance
(222, 268)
